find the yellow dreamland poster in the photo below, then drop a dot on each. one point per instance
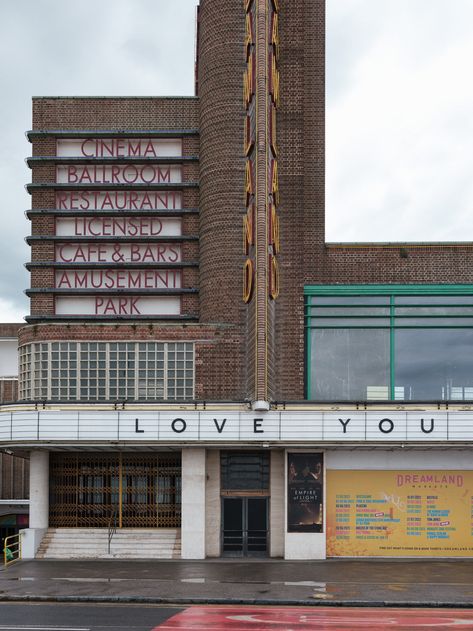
(400, 513)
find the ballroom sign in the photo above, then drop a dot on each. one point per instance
(118, 174)
(284, 427)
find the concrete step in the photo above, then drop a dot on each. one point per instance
(127, 543)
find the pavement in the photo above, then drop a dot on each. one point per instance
(340, 582)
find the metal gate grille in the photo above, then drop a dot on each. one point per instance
(142, 490)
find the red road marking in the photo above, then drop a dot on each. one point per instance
(320, 618)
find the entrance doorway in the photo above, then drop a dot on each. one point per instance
(245, 526)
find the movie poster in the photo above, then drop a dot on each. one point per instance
(305, 492)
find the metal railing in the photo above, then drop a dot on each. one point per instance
(112, 528)
(11, 549)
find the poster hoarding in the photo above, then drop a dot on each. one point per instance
(400, 513)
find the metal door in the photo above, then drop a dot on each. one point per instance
(245, 526)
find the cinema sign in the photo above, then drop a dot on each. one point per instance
(183, 426)
(119, 147)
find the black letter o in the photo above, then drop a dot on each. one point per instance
(183, 427)
(391, 426)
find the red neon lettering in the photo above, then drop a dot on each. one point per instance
(108, 148)
(134, 150)
(115, 174)
(72, 174)
(149, 149)
(150, 179)
(164, 176)
(63, 281)
(83, 151)
(120, 148)
(130, 179)
(61, 201)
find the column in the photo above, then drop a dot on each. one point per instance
(193, 504)
(39, 503)
(39, 489)
(277, 514)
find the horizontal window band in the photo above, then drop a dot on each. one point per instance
(387, 327)
(141, 239)
(110, 292)
(452, 305)
(166, 186)
(429, 316)
(33, 161)
(37, 134)
(50, 319)
(126, 265)
(162, 212)
(386, 290)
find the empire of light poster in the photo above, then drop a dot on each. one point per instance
(305, 492)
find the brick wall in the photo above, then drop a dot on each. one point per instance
(225, 343)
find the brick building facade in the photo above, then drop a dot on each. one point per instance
(236, 398)
(14, 469)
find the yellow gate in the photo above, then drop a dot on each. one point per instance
(11, 549)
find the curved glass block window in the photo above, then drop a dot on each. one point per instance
(391, 342)
(107, 371)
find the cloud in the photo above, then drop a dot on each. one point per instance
(57, 47)
(399, 124)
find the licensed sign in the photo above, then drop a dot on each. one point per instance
(144, 226)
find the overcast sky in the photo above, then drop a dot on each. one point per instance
(399, 106)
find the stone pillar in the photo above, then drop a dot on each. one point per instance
(193, 503)
(212, 504)
(39, 489)
(39, 503)
(277, 521)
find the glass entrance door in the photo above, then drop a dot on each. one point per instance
(245, 526)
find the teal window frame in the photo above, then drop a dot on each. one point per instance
(394, 293)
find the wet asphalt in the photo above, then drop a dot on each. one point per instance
(446, 583)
